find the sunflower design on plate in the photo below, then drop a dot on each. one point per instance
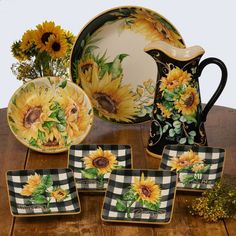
(118, 77)
(185, 160)
(98, 163)
(48, 114)
(154, 27)
(144, 191)
(109, 97)
(40, 190)
(190, 167)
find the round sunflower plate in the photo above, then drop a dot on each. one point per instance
(108, 61)
(49, 114)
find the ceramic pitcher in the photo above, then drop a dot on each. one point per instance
(178, 117)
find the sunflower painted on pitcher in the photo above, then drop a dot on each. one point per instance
(177, 105)
(144, 191)
(49, 114)
(44, 51)
(189, 166)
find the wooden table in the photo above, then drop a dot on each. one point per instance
(221, 131)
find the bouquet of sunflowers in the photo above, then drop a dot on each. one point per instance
(44, 51)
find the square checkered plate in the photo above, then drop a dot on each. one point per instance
(123, 156)
(42, 192)
(121, 206)
(199, 176)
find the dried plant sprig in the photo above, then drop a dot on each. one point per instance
(216, 203)
(44, 51)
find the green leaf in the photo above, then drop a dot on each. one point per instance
(129, 196)
(33, 142)
(191, 119)
(90, 173)
(159, 117)
(190, 140)
(175, 116)
(171, 132)
(192, 133)
(47, 181)
(165, 128)
(90, 49)
(188, 179)
(122, 56)
(39, 199)
(177, 130)
(53, 114)
(120, 205)
(182, 119)
(169, 96)
(61, 115)
(61, 127)
(182, 140)
(63, 84)
(177, 124)
(49, 124)
(151, 206)
(41, 135)
(40, 190)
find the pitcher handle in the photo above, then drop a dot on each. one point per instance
(224, 74)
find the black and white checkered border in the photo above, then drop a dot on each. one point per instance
(211, 155)
(118, 184)
(75, 162)
(20, 205)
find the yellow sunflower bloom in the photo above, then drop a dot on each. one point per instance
(186, 159)
(85, 68)
(77, 115)
(59, 194)
(17, 51)
(112, 100)
(43, 32)
(188, 102)
(27, 40)
(56, 46)
(164, 111)
(147, 23)
(102, 160)
(175, 78)
(32, 183)
(146, 189)
(28, 110)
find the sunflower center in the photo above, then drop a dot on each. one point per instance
(51, 143)
(60, 193)
(189, 100)
(100, 162)
(31, 116)
(56, 46)
(106, 102)
(146, 191)
(74, 109)
(45, 37)
(86, 67)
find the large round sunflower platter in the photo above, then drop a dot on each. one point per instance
(49, 114)
(108, 61)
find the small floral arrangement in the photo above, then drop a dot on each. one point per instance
(216, 203)
(44, 51)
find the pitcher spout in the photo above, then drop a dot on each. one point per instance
(180, 54)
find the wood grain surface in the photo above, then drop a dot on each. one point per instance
(221, 132)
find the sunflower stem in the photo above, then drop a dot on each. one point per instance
(128, 208)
